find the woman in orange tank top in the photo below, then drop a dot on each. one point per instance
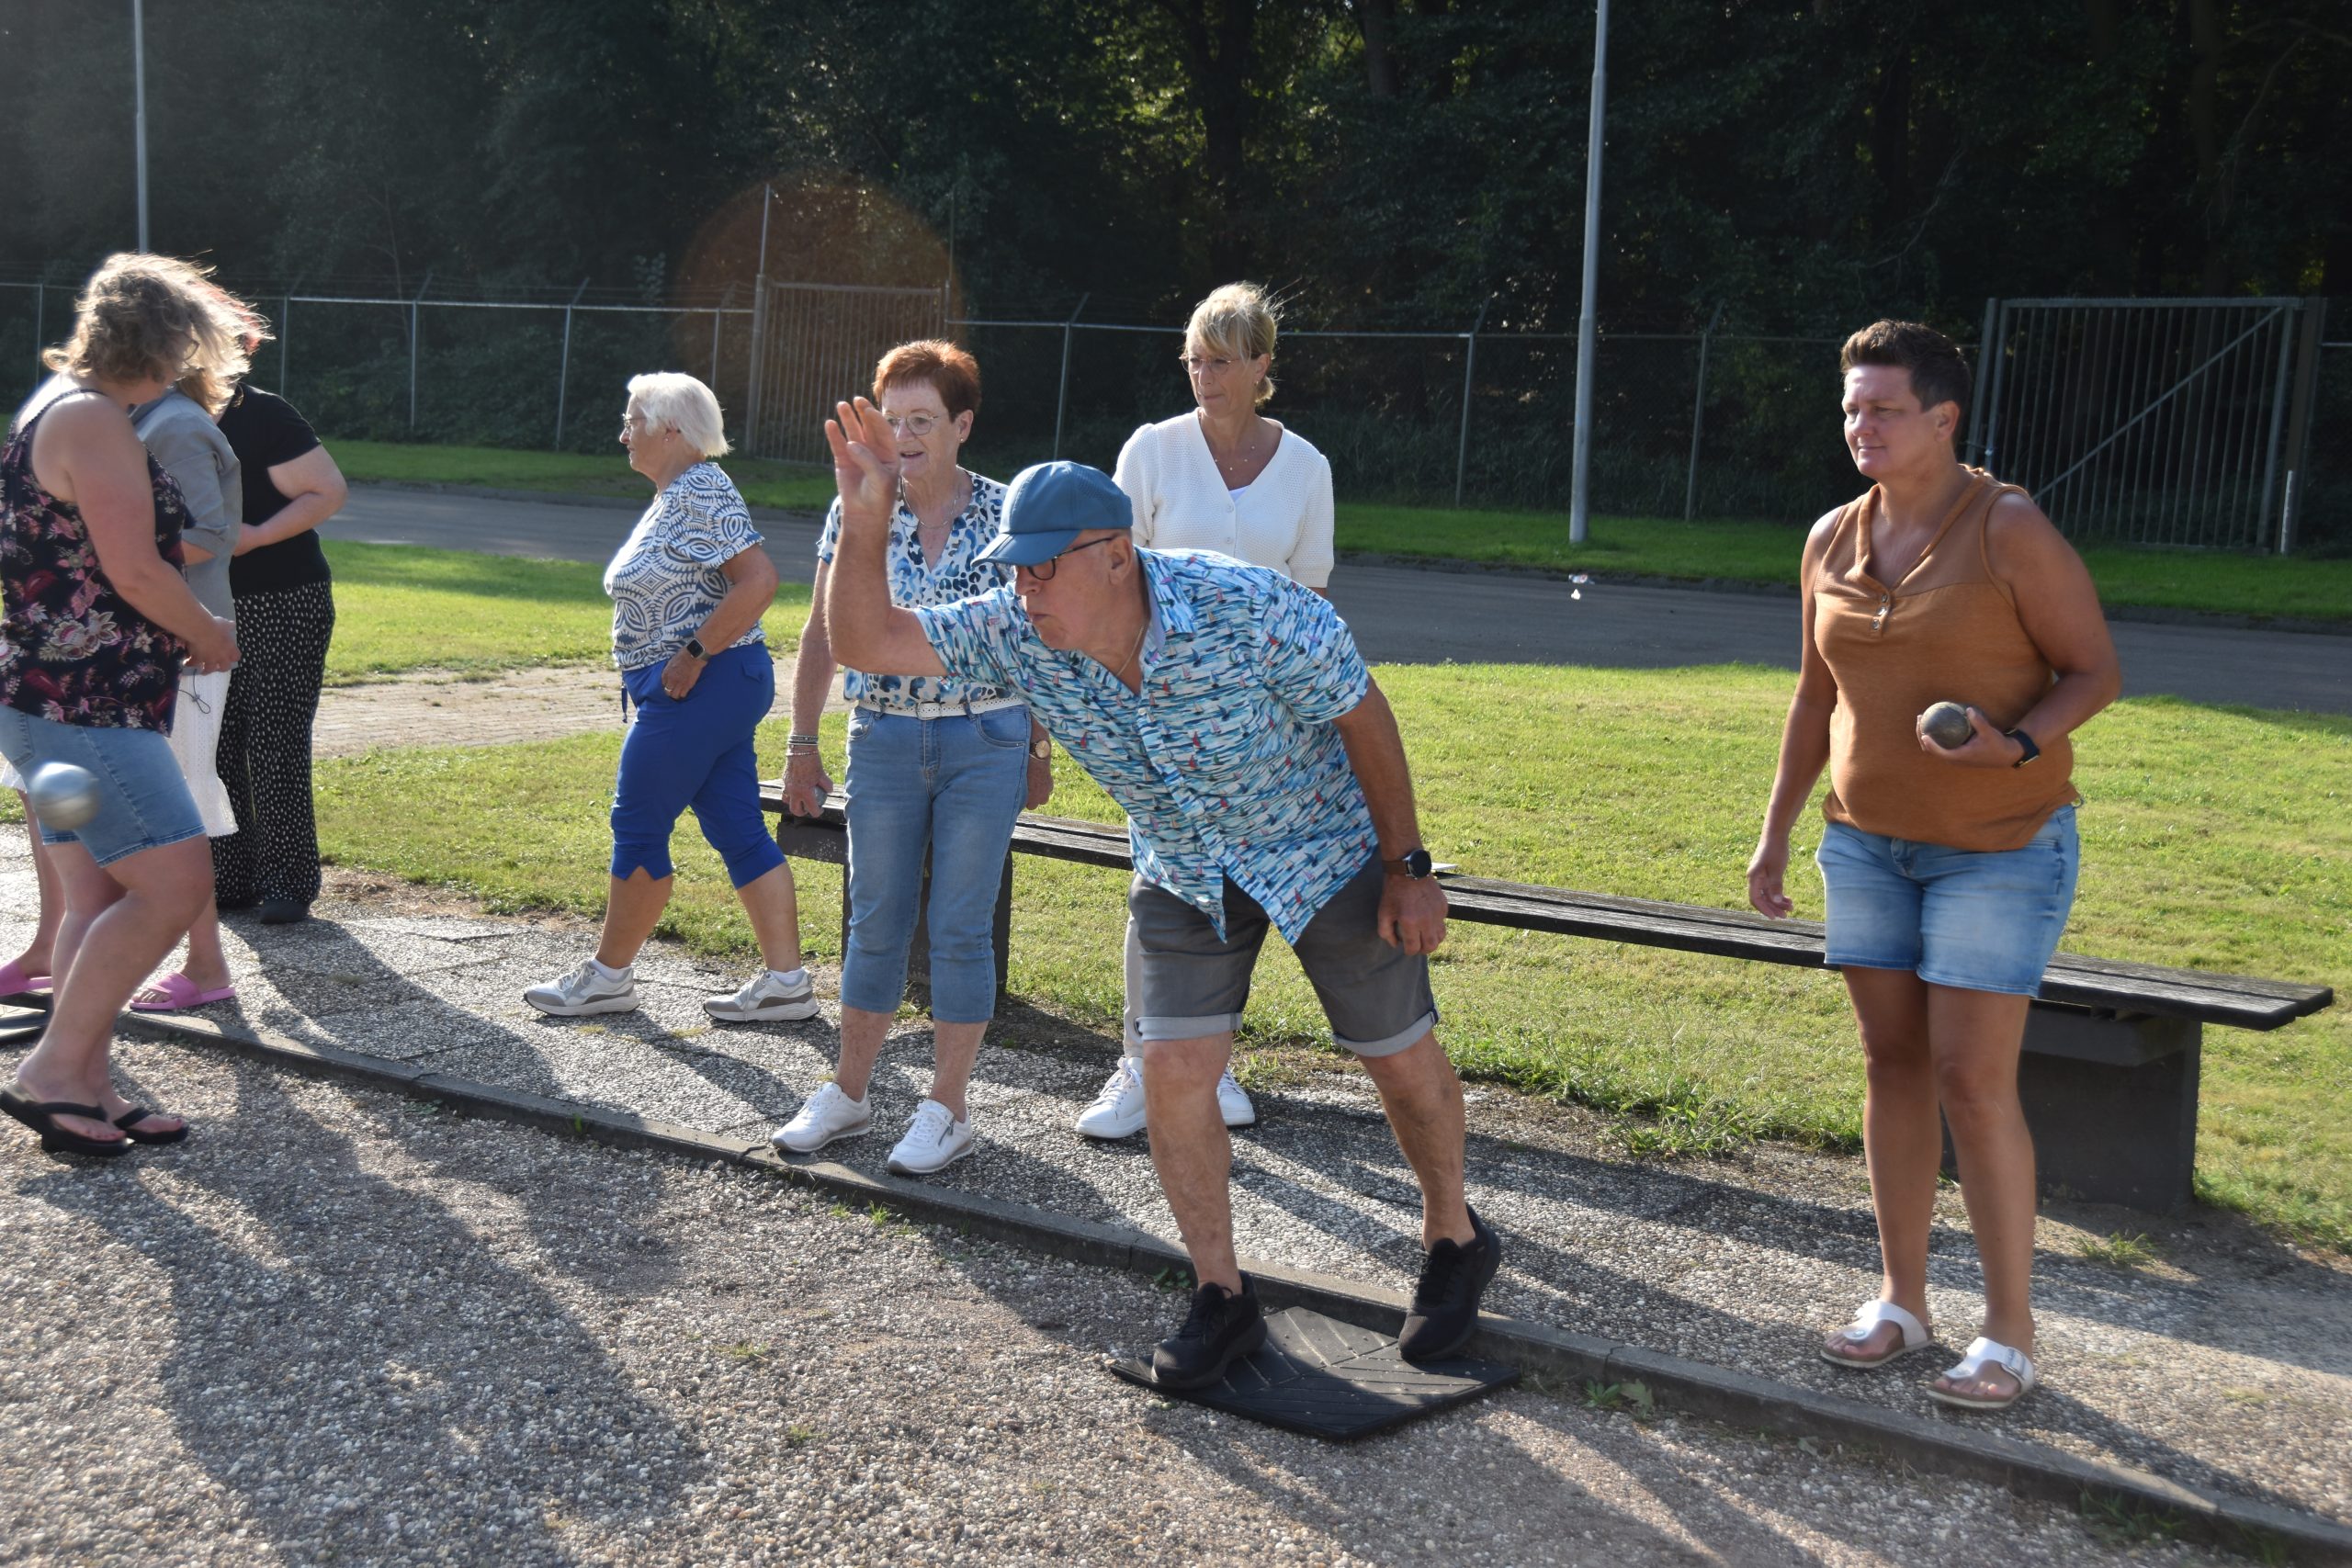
(1950, 871)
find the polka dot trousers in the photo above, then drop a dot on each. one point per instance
(265, 746)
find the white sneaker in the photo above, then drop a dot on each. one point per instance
(583, 991)
(768, 996)
(934, 1140)
(1118, 1109)
(826, 1115)
(1117, 1112)
(1233, 1103)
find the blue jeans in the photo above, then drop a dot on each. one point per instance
(1976, 921)
(956, 785)
(695, 751)
(144, 799)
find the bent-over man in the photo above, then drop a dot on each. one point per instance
(1227, 710)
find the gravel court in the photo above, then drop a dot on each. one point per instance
(2226, 1366)
(339, 1326)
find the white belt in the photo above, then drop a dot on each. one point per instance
(942, 710)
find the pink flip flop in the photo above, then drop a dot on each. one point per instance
(173, 992)
(16, 980)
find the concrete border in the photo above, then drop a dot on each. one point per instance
(1738, 1399)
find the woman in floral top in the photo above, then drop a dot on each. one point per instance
(95, 626)
(933, 762)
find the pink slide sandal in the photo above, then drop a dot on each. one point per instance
(173, 992)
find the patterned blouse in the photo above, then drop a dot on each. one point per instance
(72, 650)
(914, 582)
(1227, 762)
(670, 575)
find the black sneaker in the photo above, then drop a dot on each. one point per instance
(1445, 1301)
(1221, 1328)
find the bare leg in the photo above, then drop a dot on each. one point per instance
(862, 1036)
(1423, 1099)
(775, 911)
(1976, 1036)
(953, 1047)
(631, 911)
(136, 909)
(40, 955)
(1191, 1149)
(206, 963)
(1901, 1143)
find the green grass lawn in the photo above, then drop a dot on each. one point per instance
(401, 607)
(2295, 587)
(2215, 838)
(798, 486)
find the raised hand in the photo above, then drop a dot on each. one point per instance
(866, 460)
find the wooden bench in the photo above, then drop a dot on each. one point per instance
(2109, 1074)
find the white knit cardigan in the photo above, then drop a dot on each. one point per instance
(1282, 520)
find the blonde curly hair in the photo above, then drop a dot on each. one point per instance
(143, 315)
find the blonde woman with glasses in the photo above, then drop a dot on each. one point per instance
(1221, 476)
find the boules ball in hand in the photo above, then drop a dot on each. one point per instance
(63, 797)
(1947, 724)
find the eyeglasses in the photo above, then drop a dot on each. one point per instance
(915, 424)
(1200, 365)
(632, 421)
(1044, 570)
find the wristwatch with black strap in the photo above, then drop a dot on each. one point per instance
(2022, 738)
(694, 649)
(1414, 862)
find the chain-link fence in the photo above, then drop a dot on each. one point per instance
(1707, 424)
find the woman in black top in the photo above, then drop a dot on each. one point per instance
(285, 607)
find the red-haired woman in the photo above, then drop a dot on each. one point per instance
(932, 761)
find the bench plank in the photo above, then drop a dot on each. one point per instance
(2238, 1000)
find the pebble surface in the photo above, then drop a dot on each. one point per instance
(343, 1327)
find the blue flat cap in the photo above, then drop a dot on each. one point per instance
(1048, 505)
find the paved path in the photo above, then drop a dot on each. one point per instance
(1406, 616)
(2227, 1364)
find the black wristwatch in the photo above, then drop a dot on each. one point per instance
(2022, 738)
(1414, 862)
(695, 651)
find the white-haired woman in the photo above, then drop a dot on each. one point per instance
(1222, 476)
(688, 589)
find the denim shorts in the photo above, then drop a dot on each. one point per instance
(143, 800)
(1184, 981)
(1975, 920)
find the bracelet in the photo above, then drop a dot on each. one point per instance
(797, 739)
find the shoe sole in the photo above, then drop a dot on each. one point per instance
(1957, 1403)
(587, 1009)
(783, 1148)
(1085, 1131)
(1248, 1121)
(1854, 1365)
(1248, 1345)
(899, 1167)
(789, 1013)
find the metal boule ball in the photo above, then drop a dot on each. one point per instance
(1947, 724)
(63, 797)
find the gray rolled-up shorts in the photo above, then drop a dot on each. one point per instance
(1184, 981)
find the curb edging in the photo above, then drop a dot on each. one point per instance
(1720, 1394)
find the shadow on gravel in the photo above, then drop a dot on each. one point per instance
(359, 1369)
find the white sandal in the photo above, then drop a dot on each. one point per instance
(1866, 1322)
(1983, 1352)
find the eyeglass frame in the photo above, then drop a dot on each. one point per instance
(1044, 570)
(904, 424)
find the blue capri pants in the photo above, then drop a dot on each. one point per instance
(695, 751)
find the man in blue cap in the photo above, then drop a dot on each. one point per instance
(1226, 709)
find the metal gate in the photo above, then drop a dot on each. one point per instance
(816, 344)
(2152, 422)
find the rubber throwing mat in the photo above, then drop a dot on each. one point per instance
(21, 1025)
(1329, 1379)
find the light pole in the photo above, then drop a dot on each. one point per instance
(138, 111)
(1586, 332)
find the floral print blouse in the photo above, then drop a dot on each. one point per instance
(914, 581)
(72, 650)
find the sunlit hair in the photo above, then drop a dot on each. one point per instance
(1237, 322)
(686, 405)
(1938, 371)
(142, 316)
(954, 374)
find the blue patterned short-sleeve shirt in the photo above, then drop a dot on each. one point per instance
(670, 575)
(1228, 760)
(959, 573)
